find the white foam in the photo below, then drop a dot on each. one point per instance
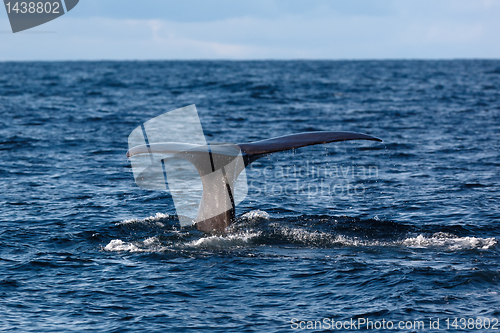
(229, 241)
(254, 214)
(119, 245)
(450, 241)
(151, 244)
(156, 219)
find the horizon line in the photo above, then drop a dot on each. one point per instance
(257, 60)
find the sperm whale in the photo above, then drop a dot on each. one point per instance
(219, 166)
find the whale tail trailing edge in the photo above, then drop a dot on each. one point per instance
(254, 150)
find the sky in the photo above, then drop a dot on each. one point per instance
(261, 29)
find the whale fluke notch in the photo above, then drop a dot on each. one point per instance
(217, 187)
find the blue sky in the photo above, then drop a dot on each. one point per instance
(262, 29)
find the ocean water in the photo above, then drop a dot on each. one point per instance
(404, 230)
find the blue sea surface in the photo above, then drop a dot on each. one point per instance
(402, 230)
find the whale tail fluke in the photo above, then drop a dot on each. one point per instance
(219, 165)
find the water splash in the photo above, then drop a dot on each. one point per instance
(450, 242)
(229, 241)
(156, 218)
(256, 214)
(151, 244)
